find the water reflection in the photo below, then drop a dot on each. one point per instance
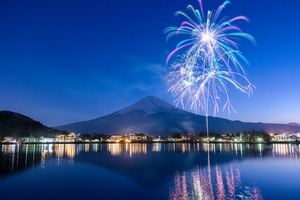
(192, 171)
(15, 157)
(127, 149)
(219, 182)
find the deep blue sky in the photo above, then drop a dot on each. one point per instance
(64, 61)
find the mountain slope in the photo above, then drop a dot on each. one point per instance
(17, 125)
(154, 116)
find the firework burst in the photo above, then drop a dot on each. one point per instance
(211, 61)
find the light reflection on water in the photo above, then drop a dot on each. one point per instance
(218, 182)
(208, 182)
(13, 155)
(206, 178)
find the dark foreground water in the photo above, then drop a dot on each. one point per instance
(149, 171)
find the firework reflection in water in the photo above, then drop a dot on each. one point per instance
(219, 182)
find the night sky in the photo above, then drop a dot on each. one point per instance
(64, 61)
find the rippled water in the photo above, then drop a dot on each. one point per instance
(149, 171)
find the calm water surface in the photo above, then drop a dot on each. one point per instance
(149, 171)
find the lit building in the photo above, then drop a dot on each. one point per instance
(184, 137)
(72, 137)
(138, 137)
(42, 139)
(285, 137)
(60, 138)
(9, 139)
(116, 138)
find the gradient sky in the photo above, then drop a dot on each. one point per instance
(64, 61)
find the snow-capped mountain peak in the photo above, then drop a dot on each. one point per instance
(149, 105)
(154, 116)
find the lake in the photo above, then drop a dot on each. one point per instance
(150, 171)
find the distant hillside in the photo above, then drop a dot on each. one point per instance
(294, 124)
(18, 125)
(154, 116)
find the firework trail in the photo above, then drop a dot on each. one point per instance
(211, 61)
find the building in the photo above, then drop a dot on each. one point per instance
(72, 137)
(285, 137)
(156, 139)
(60, 138)
(42, 139)
(9, 139)
(184, 136)
(138, 137)
(116, 138)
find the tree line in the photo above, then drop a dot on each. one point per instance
(17, 125)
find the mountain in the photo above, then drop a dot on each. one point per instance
(18, 125)
(150, 105)
(154, 116)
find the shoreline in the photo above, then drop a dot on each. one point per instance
(151, 142)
